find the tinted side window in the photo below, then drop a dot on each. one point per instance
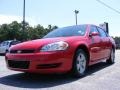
(102, 32)
(93, 29)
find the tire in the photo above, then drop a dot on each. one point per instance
(6, 51)
(111, 59)
(79, 63)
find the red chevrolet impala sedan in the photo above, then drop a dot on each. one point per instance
(65, 49)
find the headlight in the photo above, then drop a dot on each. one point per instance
(56, 46)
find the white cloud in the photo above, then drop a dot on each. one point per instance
(6, 19)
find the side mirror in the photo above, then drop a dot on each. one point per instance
(94, 34)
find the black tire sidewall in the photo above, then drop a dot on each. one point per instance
(110, 61)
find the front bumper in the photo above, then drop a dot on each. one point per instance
(43, 62)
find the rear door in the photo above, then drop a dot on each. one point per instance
(105, 50)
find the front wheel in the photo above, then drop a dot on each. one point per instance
(111, 60)
(80, 63)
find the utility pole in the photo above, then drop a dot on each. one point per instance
(105, 26)
(24, 15)
(23, 19)
(76, 12)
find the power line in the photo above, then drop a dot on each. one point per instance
(108, 6)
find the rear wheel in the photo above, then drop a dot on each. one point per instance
(111, 60)
(80, 63)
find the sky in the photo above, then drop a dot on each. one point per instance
(61, 12)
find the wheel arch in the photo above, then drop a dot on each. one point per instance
(84, 48)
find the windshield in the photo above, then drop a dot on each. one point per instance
(67, 31)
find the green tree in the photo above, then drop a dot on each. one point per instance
(4, 32)
(14, 30)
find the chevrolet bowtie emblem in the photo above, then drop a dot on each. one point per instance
(19, 51)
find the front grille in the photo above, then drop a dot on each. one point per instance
(18, 64)
(45, 66)
(22, 51)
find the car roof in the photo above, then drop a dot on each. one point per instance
(83, 25)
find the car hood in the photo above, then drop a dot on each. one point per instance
(37, 44)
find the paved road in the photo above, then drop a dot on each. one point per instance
(99, 77)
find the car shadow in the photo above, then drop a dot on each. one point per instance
(24, 80)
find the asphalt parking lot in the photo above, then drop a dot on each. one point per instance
(99, 77)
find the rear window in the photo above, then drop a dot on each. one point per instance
(67, 31)
(15, 42)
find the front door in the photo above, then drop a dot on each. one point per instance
(95, 45)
